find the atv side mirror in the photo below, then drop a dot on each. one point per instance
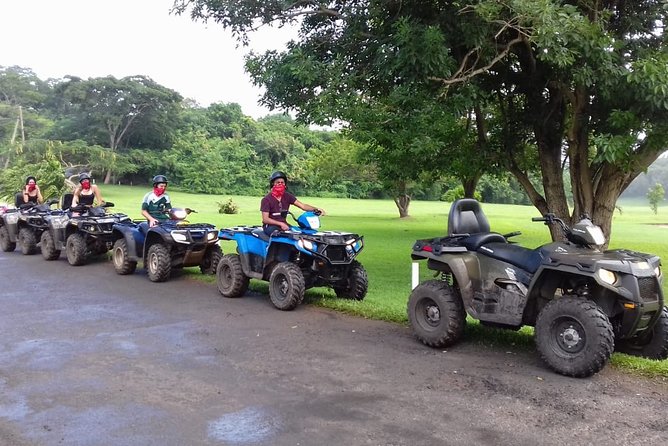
(52, 201)
(107, 204)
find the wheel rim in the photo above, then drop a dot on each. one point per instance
(282, 287)
(119, 257)
(153, 262)
(431, 313)
(569, 335)
(225, 276)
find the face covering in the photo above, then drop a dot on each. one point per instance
(85, 184)
(159, 190)
(277, 190)
(32, 187)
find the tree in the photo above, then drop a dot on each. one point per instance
(655, 195)
(111, 112)
(575, 86)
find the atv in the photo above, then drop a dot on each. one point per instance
(582, 302)
(24, 226)
(174, 243)
(292, 261)
(82, 232)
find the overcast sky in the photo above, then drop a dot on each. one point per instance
(95, 38)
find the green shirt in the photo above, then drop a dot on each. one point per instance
(156, 206)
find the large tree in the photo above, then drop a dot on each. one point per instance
(574, 85)
(116, 113)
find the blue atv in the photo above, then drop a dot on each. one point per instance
(174, 243)
(292, 261)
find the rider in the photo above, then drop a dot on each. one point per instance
(31, 192)
(86, 193)
(276, 204)
(156, 202)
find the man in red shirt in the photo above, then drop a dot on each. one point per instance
(276, 204)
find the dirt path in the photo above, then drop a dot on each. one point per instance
(91, 358)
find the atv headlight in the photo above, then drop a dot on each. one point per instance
(212, 235)
(657, 271)
(306, 244)
(606, 276)
(12, 218)
(179, 237)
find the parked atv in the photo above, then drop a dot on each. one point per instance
(174, 243)
(583, 302)
(293, 261)
(24, 226)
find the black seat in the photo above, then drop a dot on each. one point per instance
(18, 199)
(525, 258)
(260, 234)
(466, 218)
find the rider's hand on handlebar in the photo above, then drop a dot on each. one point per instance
(285, 227)
(153, 222)
(319, 211)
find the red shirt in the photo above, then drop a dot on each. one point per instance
(278, 210)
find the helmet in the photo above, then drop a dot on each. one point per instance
(276, 175)
(83, 176)
(31, 178)
(159, 179)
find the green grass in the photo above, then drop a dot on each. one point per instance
(388, 240)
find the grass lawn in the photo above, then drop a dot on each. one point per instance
(388, 240)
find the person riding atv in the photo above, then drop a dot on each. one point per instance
(165, 241)
(583, 302)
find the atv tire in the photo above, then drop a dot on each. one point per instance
(230, 277)
(49, 251)
(357, 283)
(286, 286)
(5, 244)
(120, 255)
(654, 346)
(28, 241)
(211, 258)
(574, 336)
(75, 248)
(158, 263)
(436, 314)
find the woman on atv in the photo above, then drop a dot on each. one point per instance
(31, 192)
(276, 204)
(156, 202)
(86, 193)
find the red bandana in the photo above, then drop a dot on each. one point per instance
(158, 191)
(85, 184)
(31, 187)
(277, 191)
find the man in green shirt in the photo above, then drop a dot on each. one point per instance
(156, 202)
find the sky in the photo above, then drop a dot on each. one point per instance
(96, 38)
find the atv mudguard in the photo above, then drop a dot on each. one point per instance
(133, 238)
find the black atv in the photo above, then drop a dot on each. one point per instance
(174, 243)
(24, 226)
(84, 231)
(583, 302)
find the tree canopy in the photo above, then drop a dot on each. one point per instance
(565, 88)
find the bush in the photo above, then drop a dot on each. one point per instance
(228, 207)
(457, 193)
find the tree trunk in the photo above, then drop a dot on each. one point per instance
(469, 185)
(402, 201)
(107, 177)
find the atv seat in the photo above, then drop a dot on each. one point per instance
(259, 233)
(18, 199)
(524, 258)
(466, 217)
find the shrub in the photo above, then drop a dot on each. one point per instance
(228, 207)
